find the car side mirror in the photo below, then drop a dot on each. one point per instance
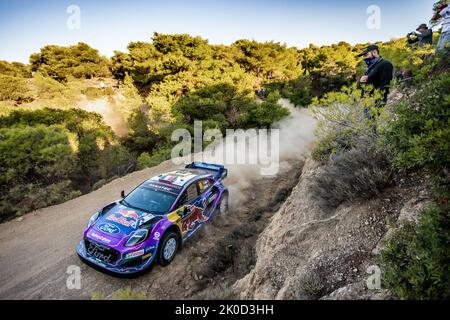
(122, 194)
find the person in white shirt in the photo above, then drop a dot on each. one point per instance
(443, 12)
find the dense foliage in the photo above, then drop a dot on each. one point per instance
(48, 156)
(158, 86)
(79, 61)
(420, 134)
(416, 260)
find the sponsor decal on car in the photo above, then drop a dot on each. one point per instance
(98, 252)
(148, 255)
(135, 254)
(195, 216)
(100, 237)
(109, 228)
(127, 218)
(212, 198)
(157, 235)
(164, 187)
(145, 219)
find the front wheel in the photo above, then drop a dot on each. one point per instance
(168, 248)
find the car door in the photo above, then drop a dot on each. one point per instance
(209, 194)
(191, 208)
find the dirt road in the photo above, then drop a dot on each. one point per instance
(37, 251)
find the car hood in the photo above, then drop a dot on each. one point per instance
(120, 221)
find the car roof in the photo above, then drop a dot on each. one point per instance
(179, 178)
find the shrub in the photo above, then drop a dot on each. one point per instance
(79, 61)
(298, 91)
(334, 141)
(12, 88)
(23, 198)
(14, 69)
(92, 93)
(344, 123)
(419, 135)
(416, 259)
(145, 160)
(49, 155)
(359, 173)
(313, 286)
(263, 115)
(35, 164)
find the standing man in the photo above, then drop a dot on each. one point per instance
(442, 12)
(423, 36)
(379, 72)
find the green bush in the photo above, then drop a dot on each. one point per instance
(416, 259)
(92, 93)
(145, 160)
(358, 173)
(75, 120)
(419, 135)
(79, 61)
(13, 88)
(263, 115)
(35, 165)
(14, 69)
(50, 155)
(332, 142)
(298, 91)
(343, 123)
(224, 106)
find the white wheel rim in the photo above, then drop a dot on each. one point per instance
(169, 248)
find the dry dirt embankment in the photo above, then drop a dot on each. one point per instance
(307, 252)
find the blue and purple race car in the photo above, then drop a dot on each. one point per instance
(152, 221)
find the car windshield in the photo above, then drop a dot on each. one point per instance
(147, 199)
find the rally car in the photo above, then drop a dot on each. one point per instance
(151, 222)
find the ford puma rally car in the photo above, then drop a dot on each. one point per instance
(153, 220)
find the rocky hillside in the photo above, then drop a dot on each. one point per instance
(307, 252)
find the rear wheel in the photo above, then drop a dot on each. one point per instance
(168, 248)
(223, 205)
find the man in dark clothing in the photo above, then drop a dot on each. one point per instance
(423, 36)
(379, 72)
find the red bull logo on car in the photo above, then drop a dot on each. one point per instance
(127, 218)
(195, 216)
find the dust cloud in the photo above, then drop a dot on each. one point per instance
(109, 112)
(296, 134)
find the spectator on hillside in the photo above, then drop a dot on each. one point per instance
(423, 36)
(442, 11)
(379, 72)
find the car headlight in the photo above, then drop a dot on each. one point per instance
(137, 237)
(93, 219)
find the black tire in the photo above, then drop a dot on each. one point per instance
(163, 258)
(223, 206)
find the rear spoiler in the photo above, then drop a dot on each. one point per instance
(219, 171)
